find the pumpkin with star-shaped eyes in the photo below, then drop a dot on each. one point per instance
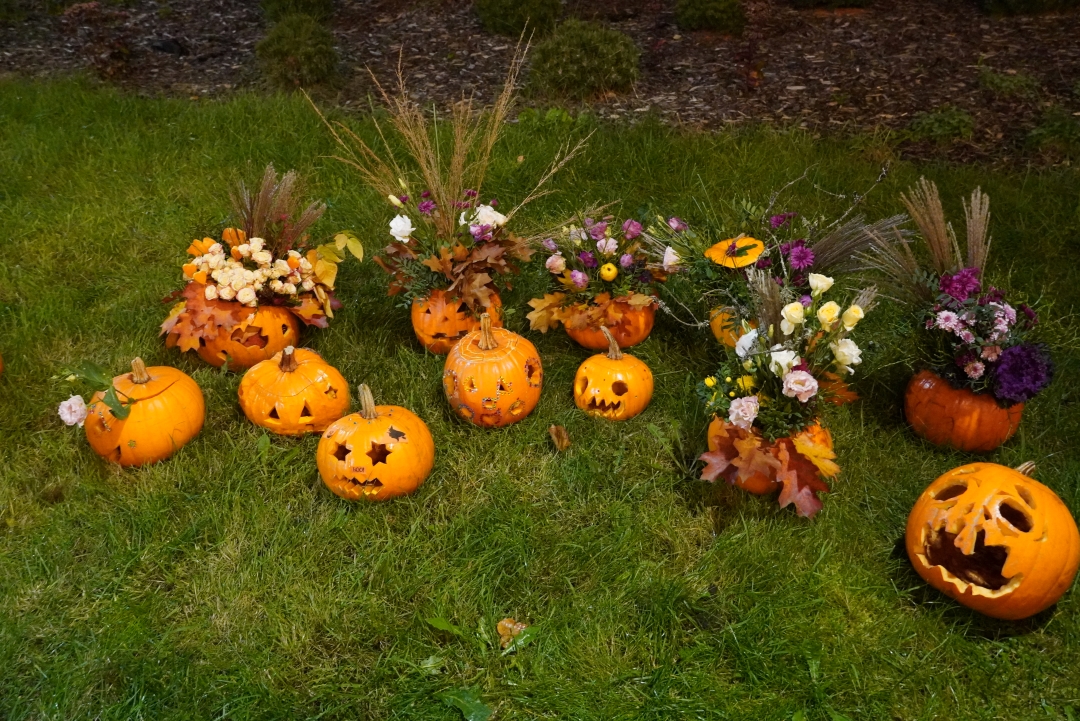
(994, 539)
(293, 393)
(613, 385)
(440, 321)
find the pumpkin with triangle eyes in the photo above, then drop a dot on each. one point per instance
(994, 539)
(264, 334)
(293, 393)
(492, 377)
(614, 386)
(440, 320)
(379, 453)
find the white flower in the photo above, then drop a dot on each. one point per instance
(607, 246)
(262, 257)
(257, 244)
(244, 249)
(793, 315)
(282, 267)
(801, 385)
(211, 292)
(781, 361)
(396, 201)
(671, 260)
(486, 215)
(216, 261)
(743, 411)
(852, 316)
(401, 227)
(246, 296)
(73, 411)
(226, 292)
(217, 249)
(745, 344)
(847, 354)
(556, 263)
(276, 286)
(461, 220)
(305, 265)
(819, 284)
(308, 284)
(289, 288)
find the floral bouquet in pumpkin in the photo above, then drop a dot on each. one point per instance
(603, 278)
(245, 296)
(767, 392)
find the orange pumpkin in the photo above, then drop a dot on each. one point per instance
(762, 481)
(379, 453)
(736, 252)
(613, 385)
(265, 333)
(293, 393)
(634, 327)
(957, 417)
(725, 326)
(167, 411)
(440, 321)
(994, 539)
(492, 377)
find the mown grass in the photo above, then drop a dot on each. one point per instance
(225, 583)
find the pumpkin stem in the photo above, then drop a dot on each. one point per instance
(614, 351)
(138, 371)
(487, 338)
(1027, 468)
(288, 360)
(367, 403)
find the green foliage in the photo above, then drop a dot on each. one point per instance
(724, 16)
(1023, 7)
(1009, 85)
(943, 125)
(512, 17)
(1058, 132)
(829, 4)
(298, 52)
(278, 10)
(583, 59)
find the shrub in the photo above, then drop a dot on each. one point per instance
(1016, 85)
(511, 17)
(1058, 132)
(943, 124)
(725, 16)
(277, 10)
(298, 51)
(1021, 7)
(582, 59)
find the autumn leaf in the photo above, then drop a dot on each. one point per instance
(820, 455)
(835, 390)
(545, 313)
(346, 240)
(559, 437)
(639, 300)
(509, 629)
(716, 463)
(311, 311)
(326, 272)
(753, 459)
(798, 487)
(443, 263)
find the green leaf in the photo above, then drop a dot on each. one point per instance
(431, 665)
(93, 374)
(837, 716)
(443, 625)
(467, 701)
(119, 410)
(263, 446)
(521, 640)
(799, 716)
(329, 253)
(346, 239)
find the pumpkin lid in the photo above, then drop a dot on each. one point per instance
(142, 382)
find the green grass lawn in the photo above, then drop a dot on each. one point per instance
(229, 583)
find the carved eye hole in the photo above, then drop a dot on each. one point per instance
(284, 329)
(463, 308)
(950, 492)
(583, 384)
(619, 388)
(341, 452)
(306, 412)
(1015, 517)
(1025, 494)
(274, 413)
(427, 311)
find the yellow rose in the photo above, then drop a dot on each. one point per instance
(852, 316)
(793, 315)
(746, 383)
(609, 272)
(828, 315)
(710, 382)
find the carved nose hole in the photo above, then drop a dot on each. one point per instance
(427, 312)
(463, 308)
(619, 388)
(332, 392)
(274, 413)
(1016, 518)
(306, 412)
(470, 384)
(583, 384)
(950, 492)
(341, 452)
(503, 387)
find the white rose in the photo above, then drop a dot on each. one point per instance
(244, 249)
(257, 244)
(305, 265)
(781, 361)
(262, 257)
(486, 215)
(246, 296)
(289, 288)
(238, 284)
(308, 284)
(745, 344)
(276, 286)
(226, 292)
(793, 315)
(210, 292)
(401, 227)
(846, 353)
(217, 249)
(215, 262)
(73, 411)
(281, 267)
(819, 284)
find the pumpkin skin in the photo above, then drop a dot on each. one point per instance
(493, 376)
(994, 539)
(265, 333)
(758, 483)
(440, 321)
(612, 385)
(379, 453)
(294, 393)
(725, 326)
(956, 417)
(634, 327)
(168, 412)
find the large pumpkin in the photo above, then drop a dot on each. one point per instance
(440, 321)
(762, 481)
(264, 334)
(379, 453)
(634, 327)
(492, 377)
(994, 539)
(167, 411)
(957, 417)
(614, 386)
(293, 393)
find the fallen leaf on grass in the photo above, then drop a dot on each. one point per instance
(443, 625)
(467, 701)
(559, 437)
(509, 629)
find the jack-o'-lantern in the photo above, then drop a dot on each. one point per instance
(614, 386)
(725, 326)
(265, 333)
(166, 410)
(440, 321)
(492, 377)
(994, 539)
(293, 393)
(379, 453)
(633, 327)
(736, 252)
(957, 417)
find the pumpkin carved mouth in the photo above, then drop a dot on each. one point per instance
(602, 406)
(981, 568)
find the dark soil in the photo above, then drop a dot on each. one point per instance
(868, 70)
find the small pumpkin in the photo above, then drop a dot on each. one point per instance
(379, 453)
(635, 326)
(736, 252)
(293, 393)
(167, 412)
(725, 326)
(492, 377)
(957, 417)
(994, 539)
(613, 385)
(440, 321)
(265, 333)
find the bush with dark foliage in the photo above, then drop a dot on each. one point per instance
(298, 52)
(582, 59)
(511, 17)
(723, 16)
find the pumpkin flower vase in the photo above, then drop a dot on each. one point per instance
(958, 417)
(440, 321)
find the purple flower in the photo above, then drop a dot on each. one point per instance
(961, 284)
(587, 258)
(579, 278)
(1022, 371)
(626, 260)
(1032, 317)
(778, 220)
(549, 243)
(801, 257)
(786, 248)
(677, 224)
(403, 198)
(470, 193)
(631, 228)
(763, 263)
(645, 277)
(480, 232)
(494, 202)
(425, 194)
(597, 231)
(426, 206)
(807, 301)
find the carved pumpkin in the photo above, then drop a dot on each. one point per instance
(634, 327)
(379, 453)
(167, 412)
(763, 482)
(957, 417)
(492, 377)
(612, 385)
(736, 252)
(440, 321)
(994, 539)
(293, 393)
(265, 333)
(725, 326)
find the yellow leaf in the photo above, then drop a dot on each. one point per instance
(819, 454)
(346, 239)
(329, 253)
(326, 272)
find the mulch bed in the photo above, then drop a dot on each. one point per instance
(824, 71)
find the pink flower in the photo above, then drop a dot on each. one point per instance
(991, 353)
(626, 260)
(73, 411)
(607, 246)
(556, 264)
(597, 230)
(677, 224)
(631, 228)
(579, 279)
(549, 243)
(974, 370)
(801, 385)
(947, 320)
(743, 411)
(426, 207)
(967, 336)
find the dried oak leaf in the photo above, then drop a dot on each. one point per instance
(545, 313)
(639, 300)
(753, 459)
(442, 263)
(509, 629)
(800, 481)
(311, 311)
(559, 437)
(820, 455)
